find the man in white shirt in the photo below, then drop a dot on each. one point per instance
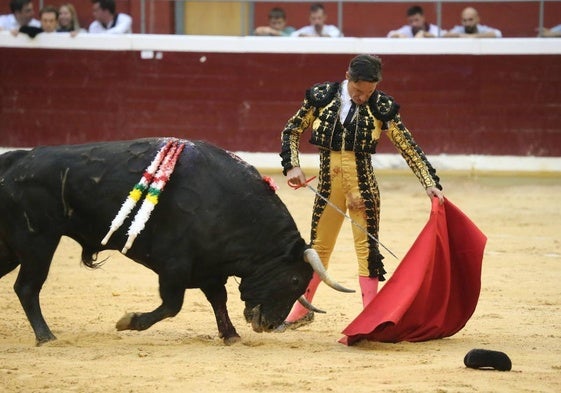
(470, 27)
(107, 20)
(22, 15)
(317, 26)
(417, 26)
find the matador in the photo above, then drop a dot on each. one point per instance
(347, 120)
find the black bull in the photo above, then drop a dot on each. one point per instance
(215, 218)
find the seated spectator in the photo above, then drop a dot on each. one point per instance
(317, 26)
(107, 20)
(48, 18)
(470, 27)
(417, 26)
(22, 15)
(553, 32)
(277, 25)
(68, 20)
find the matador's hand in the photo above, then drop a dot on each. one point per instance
(296, 176)
(435, 192)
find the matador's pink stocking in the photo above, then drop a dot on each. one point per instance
(369, 288)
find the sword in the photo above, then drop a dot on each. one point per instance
(342, 213)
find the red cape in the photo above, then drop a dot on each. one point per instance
(434, 290)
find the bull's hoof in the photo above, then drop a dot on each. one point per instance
(43, 340)
(125, 322)
(232, 340)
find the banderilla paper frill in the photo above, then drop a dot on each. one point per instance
(151, 181)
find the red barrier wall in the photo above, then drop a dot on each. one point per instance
(455, 104)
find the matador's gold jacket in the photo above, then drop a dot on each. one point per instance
(320, 110)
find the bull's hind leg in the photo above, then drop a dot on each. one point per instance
(172, 294)
(36, 260)
(217, 296)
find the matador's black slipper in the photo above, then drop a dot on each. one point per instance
(487, 359)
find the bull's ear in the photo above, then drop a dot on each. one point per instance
(311, 256)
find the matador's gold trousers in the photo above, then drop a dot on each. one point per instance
(347, 179)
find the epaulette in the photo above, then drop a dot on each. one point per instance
(383, 106)
(321, 94)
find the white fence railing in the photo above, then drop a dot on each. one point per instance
(252, 44)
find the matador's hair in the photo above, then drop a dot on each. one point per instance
(365, 68)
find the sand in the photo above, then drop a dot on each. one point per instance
(519, 312)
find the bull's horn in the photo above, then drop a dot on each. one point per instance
(304, 302)
(311, 256)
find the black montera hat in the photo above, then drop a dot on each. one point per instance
(487, 359)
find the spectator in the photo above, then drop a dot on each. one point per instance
(417, 26)
(277, 25)
(68, 19)
(48, 18)
(470, 27)
(317, 26)
(22, 15)
(553, 32)
(107, 20)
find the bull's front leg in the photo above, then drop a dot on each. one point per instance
(217, 296)
(172, 294)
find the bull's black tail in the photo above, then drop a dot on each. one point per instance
(89, 258)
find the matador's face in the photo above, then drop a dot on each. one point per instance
(361, 91)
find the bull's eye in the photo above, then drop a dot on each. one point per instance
(295, 281)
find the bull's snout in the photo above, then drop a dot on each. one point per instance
(258, 322)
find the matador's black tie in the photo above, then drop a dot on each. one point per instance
(350, 115)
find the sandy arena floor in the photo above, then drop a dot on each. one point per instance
(519, 312)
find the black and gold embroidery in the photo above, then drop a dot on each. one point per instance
(320, 111)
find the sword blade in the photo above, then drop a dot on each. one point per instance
(350, 219)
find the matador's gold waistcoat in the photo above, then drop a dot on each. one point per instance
(320, 111)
